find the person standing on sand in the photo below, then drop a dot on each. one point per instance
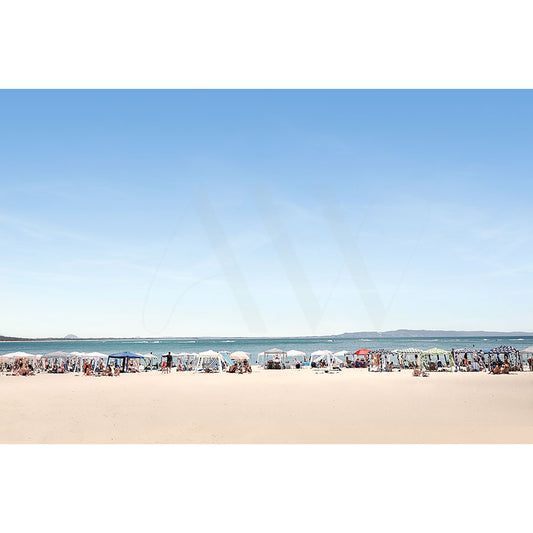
(169, 362)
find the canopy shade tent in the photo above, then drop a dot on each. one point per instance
(509, 352)
(407, 351)
(274, 354)
(327, 356)
(56, 355)
(90, 355)
(436, 351)
(87, 356)
(125, 357)
(210, 361)
(431, 365)
(503, 350)
(20, 355)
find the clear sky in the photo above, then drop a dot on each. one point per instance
(236, 213)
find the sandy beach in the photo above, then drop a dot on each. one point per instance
(290, 406)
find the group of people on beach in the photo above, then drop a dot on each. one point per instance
(240, 367)
(498, 361)
(100, 370)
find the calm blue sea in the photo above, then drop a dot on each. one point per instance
(256, 345)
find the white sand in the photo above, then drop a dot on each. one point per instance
(291, 406)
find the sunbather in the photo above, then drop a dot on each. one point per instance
(418, 373)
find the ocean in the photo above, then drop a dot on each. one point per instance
(256, 345)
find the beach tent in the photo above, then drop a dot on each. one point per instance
(93, 357)
(211, 360)
(187, 359)
(274, 354)
(509, 351)
(60, 358)
(436, 351)
(332, 362)
(125, 357)
(428, 353)
(527, 351)
(56, 355)
(151, 359)
(239, 356)
(404, 353)
(298, 355)
(20, 355)
(10, 358)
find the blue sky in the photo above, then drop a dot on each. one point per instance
(189, 213)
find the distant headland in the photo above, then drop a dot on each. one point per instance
(398, 333)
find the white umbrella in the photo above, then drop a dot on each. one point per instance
(295, 353)
(342, 353)
(529, 349)
(321, 353)
(240, 356)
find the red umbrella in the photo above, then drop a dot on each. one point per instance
(363, 351)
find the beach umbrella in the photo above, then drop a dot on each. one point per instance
(321, 353)
(295, 353)
(527, 350)
(342, 353)
(362, 351)
(240, 356)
